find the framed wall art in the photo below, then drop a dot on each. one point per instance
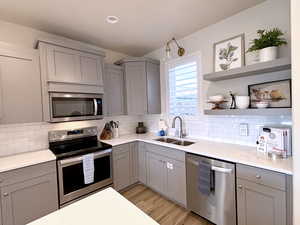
(229, 53)
(276, 93)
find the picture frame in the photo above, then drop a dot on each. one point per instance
(278, 93)
(229, 53)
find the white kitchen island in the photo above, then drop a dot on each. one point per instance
(106, 207)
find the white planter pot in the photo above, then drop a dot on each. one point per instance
(268, 54)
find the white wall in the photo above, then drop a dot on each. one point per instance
(27, 37)
(295, 18)
(269, 14)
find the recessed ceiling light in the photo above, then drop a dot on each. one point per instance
(112, 19)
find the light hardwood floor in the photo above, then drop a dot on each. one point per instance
(160, 209)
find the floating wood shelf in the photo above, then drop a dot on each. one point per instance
(251, 112)
(250, 70)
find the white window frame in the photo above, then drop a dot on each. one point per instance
(173, 62)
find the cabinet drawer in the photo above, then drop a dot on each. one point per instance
(262, 176)
(26, 173)
(165, 151)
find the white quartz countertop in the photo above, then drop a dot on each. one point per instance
(25, 159)
(229, 152)
(104, 207)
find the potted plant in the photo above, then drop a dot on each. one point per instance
(267, 44)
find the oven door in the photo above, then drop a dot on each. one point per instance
(70, 107)
(71, 177)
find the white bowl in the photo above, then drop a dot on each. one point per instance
(216, 98)
(242, 102)
(262, 105)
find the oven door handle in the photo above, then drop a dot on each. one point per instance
(80, 158)
(96, 107)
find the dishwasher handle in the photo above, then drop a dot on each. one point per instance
(221, 169)
(214, 168)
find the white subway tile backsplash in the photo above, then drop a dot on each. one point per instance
(221, 128)
(19, 138)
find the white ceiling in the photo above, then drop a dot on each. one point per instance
(143, 27)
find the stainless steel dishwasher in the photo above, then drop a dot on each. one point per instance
(219, 206)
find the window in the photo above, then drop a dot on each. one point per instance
(183, 86)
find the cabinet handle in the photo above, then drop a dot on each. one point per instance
(258, 176)
(5, 194)
(240, 186)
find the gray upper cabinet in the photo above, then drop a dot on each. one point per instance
(28, 193)
(114, 90)
(153, 88)
(136, 90)
(262, 197)
(65, 65)
(142, 83)
(20, 86)
(68, 67)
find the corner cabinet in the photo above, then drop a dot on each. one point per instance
(114, 90)
(28, 193)
(20, 85)
(263, 197)
(142, 84)
(125, 165)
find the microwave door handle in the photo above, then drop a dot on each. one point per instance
(96, 106)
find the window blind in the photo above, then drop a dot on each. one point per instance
(183, 88)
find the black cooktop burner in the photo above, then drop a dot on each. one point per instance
(75, 147)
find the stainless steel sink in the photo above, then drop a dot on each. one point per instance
(175, 141)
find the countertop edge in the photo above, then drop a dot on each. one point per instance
(26, 159)
(122, 140)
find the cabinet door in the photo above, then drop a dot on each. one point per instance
(156, 172)
(176, 181)
(136, 90)
(142, 163)
(114, 90)
(20, 84)
(121, 166)
(26, 201)
(134, 162)
(91, 69)
(63, 65)
(258, 204)
(153, 88)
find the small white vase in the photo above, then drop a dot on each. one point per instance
(242, 102)
(268, 54)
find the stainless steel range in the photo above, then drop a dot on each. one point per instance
(70, 147)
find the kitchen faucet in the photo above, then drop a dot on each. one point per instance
(180, 128)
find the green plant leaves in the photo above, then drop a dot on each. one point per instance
(267, 38)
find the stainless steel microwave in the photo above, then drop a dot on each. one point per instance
(73, 106)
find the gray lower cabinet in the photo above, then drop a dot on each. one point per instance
(142, 172)
(28, 193)
(20, 86)
(142, 86)
(125, 163)
(165, 174)
(114, 90)
(262, 197)
(156, 172)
